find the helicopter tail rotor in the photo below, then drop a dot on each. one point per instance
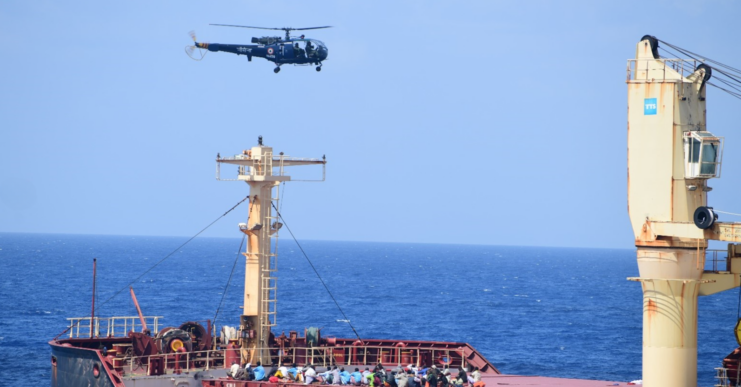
(191, 50)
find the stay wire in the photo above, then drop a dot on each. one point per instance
(317, 273)
(736, 94)
(160, 261)
(234, 266)
(175, 250)
(724, 212)
(699, 57)
(731, 85)
(281, 195)
(228, 282)
(716, 69)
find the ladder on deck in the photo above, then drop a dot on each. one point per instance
(269, 281)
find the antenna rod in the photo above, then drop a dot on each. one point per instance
(92, 313)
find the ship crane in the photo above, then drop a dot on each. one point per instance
(672, 155)
(263, 171)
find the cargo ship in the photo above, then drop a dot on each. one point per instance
(671, 156)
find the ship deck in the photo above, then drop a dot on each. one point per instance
(490, 380)
(128, 358)
(542, 381)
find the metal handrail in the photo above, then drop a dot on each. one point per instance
(682, 66)
(118, 326)
(318, 356)
(135, 363)
(717, 261)
(722, 375)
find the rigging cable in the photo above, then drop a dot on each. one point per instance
(176, 250)
(699, 57)
(317, 273)
(281, 195)
(737, 87)
(720, 70)
(228, 282)
(723, 212)
(234, 266)
(160, 261)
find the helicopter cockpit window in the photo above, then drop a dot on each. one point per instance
(313, 47)
(310, 49)
(318, 43)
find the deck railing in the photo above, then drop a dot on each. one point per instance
(640, 70)
(79, 327)
(716, 260)
(318, 356)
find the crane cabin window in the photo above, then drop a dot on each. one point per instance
(702, 155)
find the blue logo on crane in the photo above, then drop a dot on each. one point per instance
(649, 107)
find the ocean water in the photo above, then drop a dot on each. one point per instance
(530, 310)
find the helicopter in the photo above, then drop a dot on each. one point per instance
(297, 51)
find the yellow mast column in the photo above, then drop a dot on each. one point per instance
(671, 156)
(259, 285)
(262, 171)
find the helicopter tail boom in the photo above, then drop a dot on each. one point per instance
(239, 49)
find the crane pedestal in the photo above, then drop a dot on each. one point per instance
(671, 280)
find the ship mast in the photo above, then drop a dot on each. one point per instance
(263, 172)
(671, 157)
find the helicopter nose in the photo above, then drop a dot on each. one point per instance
(323, 53)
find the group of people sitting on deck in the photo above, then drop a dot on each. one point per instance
(409, 376)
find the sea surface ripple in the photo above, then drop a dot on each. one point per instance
(561, 312)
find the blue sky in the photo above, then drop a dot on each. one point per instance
(481, 122)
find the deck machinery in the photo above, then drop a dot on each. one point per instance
(671, 157)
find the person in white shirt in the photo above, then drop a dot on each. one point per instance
(234, 369)
(309, 374)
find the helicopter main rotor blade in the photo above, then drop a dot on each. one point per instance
(259, 28)
(271, 28)
(309, 28)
